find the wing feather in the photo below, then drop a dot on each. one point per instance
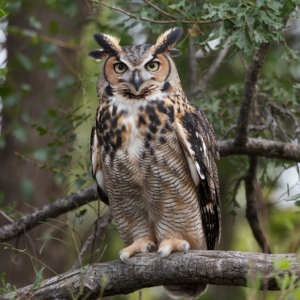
(96, 166)
(199, 142)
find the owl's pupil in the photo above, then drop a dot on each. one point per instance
(152, 66)
(121, 67)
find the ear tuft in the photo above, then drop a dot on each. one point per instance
(98, 54)
(109, 44)
(167, 40)
(174, 52)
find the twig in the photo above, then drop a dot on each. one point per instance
(265, 226)
(6, 216)
(213, 68)
(154, 21)
(229, 268)
(101, 224)
(160, 10)
(282, 132)
(51, 210)
(248, 92)
(288, 113)
(243, 61)
(253, 127)
(251, 213)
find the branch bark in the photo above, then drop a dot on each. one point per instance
(261, 147)
(248, 92)
(51, 210)
(146, 270)
(251, 213)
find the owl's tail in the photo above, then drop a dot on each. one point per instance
(189, 291)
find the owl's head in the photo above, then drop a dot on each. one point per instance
(137, 72)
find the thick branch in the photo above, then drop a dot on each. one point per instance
(248, 92)
(51, 210)
(260, 147)
(251, 213)
(146, 270)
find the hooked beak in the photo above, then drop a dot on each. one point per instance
(137, 81)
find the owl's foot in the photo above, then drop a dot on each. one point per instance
(141, 245)
(172, 245)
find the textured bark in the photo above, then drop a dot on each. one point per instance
(52, 210)
(251, 213)
(260, 147)
(147, 270)
(248, 92)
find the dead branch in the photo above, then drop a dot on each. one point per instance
(51, 210)
(251, 213)
(214, 66)
(101, 225)
(229, 268)
(248, 92)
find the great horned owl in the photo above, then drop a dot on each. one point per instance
(152, 153)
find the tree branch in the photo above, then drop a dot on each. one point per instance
(51, 210)
(146, 270)
(101, 224)
(261, 147)
(248, 92)
(154, 21)
(251, 213)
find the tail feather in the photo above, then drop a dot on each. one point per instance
(189, 291)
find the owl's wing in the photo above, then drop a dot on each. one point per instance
(96, 166)
(199, 142)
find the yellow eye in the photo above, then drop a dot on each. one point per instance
(152, 66)
(120, 68)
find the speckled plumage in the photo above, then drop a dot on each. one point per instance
(153, 153)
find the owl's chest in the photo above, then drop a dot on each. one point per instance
(134, 131)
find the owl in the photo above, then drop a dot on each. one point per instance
(152, 154)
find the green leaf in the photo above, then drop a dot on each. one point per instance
(282, 264)
(27, 190)
(83, 269)
(297, 203)
(24, 61)
(20, 133)
(81, 213)
(72, 137)
(38, 278)
(3, 278)
(78, 183)
(35, 22)
(293, 198)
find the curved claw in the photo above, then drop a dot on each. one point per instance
(123, 256)
(186, 247)
(150, 247)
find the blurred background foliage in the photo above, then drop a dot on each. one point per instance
(48, 104)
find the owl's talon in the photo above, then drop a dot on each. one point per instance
(150, 247)
(186, 247)
(124, 256)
